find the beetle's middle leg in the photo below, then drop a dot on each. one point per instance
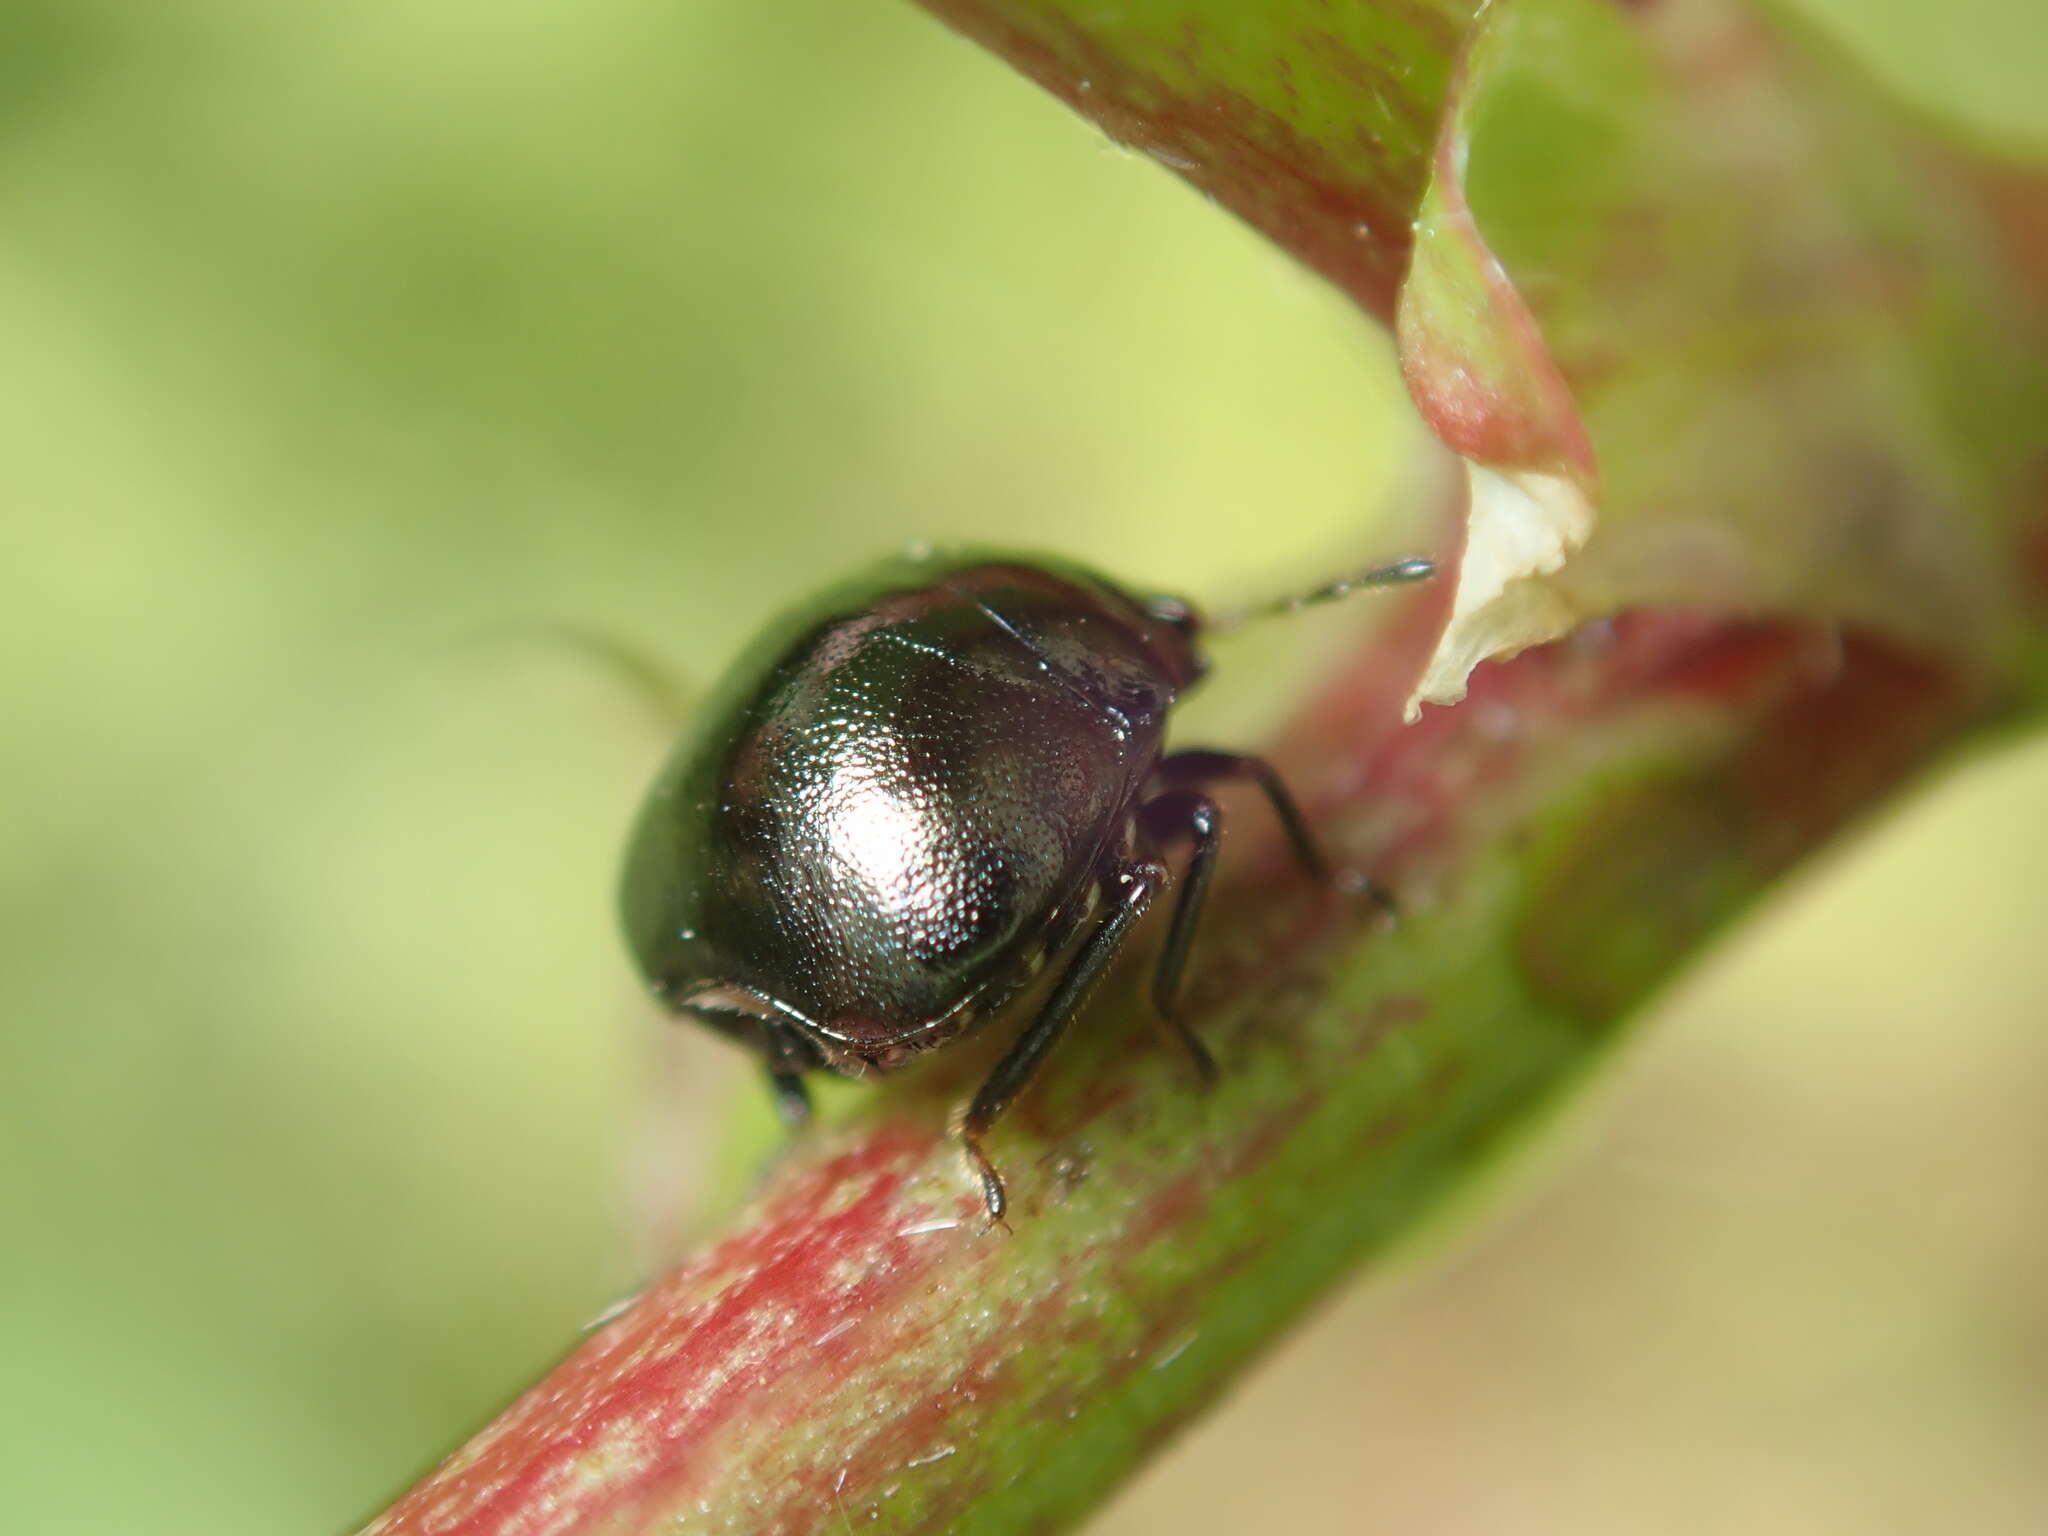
(1180, 770)
(1131, 889)
(789, 1055)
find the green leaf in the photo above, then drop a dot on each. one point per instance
(1691, 268)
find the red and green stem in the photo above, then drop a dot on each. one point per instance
(1790, 347)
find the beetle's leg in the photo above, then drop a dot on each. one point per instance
(1132, 889)
(792, 1098)
(788, 1055)
(1186, 769)
(1194, 813)
(1200, 766)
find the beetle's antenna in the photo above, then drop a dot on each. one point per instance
(1400, 573)
(649, 681)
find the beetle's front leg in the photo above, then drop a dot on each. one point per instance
(1132, 888)
(1193, 814)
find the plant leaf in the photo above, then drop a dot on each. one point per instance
(1674, 244)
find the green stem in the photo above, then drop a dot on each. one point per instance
(856, 1352)
(857, 1348)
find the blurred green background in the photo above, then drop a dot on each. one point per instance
(328, 1111)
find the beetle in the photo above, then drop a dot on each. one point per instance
(915, 791)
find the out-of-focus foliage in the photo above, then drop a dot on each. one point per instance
(326, 1108)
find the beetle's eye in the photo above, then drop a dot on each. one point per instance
(1172, 611)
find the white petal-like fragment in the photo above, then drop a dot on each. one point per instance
(1521, 527)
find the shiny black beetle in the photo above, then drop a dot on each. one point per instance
(912, 792)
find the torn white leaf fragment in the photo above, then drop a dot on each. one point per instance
(1522, 526)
